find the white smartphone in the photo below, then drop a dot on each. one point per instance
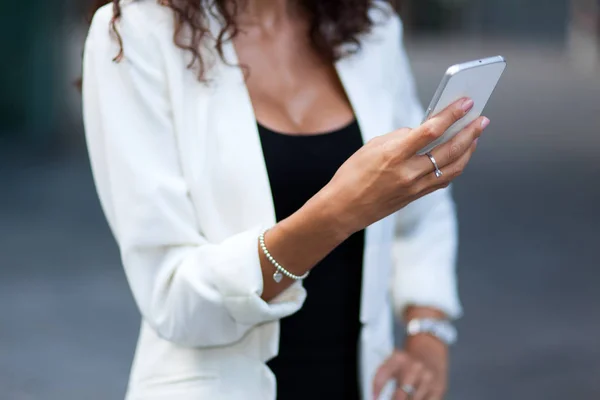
(474, 79)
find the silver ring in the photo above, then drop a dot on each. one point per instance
(438, 172)
(408, 389)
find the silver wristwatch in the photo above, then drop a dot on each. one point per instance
(439, 328)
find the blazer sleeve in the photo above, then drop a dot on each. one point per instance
(427, 236)
(192, 292)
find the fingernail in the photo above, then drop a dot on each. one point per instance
(475, 141)
(485, 122)
(467, 105)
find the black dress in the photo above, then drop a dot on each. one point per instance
(318, 356)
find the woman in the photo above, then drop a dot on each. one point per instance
(221, 120)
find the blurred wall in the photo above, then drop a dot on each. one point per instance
(584, 35)
(29, 69)
(523, 19)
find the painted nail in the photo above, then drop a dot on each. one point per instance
(467, 105)
(485, 122)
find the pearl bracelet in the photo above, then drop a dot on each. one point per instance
(280, 272)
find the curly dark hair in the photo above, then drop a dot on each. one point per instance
(333, 23)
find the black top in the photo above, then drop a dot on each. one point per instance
(318, 355)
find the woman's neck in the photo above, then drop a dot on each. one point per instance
(266, 13)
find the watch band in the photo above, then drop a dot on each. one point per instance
(439, 328)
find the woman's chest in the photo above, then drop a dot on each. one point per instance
(292, 88)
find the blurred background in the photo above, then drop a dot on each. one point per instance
(528, 206)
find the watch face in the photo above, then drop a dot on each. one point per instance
(413, 327)
(441, 329)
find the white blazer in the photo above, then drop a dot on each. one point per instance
(180, 173)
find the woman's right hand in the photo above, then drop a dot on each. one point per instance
(386, 174)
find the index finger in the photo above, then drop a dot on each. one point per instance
(435, 126)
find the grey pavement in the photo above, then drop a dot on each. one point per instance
(529, 271)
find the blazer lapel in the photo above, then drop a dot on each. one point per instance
(242, 174)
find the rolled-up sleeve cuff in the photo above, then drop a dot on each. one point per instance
(239, 279)
(422, 288)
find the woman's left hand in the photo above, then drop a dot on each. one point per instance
(421, 366)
